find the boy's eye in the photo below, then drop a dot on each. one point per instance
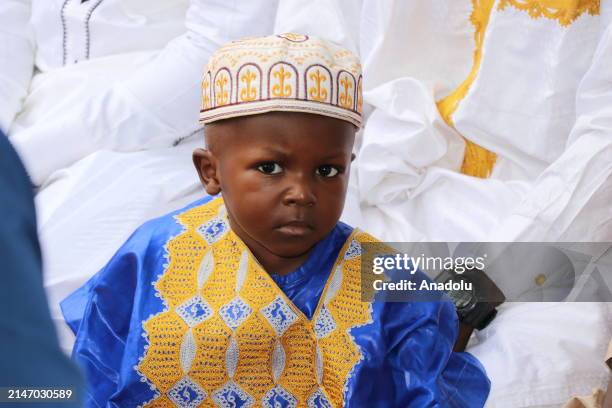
(270, 168)
(327, 171)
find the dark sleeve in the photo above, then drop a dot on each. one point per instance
(30, 355)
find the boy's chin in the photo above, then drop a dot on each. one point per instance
(290, 250)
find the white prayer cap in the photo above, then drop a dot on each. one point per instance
(287, 72)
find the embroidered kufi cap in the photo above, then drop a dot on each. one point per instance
(287, 72)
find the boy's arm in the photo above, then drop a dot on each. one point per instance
(102, 330)
(100, 314)
(465, 332)
(420, 349)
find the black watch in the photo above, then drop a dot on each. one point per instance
(474, 294)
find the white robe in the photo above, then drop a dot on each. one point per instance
(542, 101)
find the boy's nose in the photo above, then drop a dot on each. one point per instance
(299, 193)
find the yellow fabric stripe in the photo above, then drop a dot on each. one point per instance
(477, 161)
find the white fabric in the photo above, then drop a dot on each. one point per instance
(98, 28)
(540, 354)
(16, 57)
(581, 175)
(88, 211)
(545, 174)
(148, 108)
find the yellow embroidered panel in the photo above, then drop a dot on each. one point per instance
(230, 337)
(564, 11)
(477, 161)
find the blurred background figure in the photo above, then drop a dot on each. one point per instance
(30, 356)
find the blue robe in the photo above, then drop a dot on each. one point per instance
(401, 354)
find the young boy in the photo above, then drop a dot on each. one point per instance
(253, 298)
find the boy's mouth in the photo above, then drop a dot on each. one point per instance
(296, 228)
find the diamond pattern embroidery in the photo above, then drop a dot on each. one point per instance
(186, 393)
(194, 311)
(278, 397)
(235, 312)
(232, 396)
(279, 315)
(325, 323)
(353, 251)
(318, 400)
(213, 230)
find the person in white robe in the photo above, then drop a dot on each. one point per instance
(491, 120)
(101, 99)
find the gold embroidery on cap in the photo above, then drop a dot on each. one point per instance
(293, 37)
(359, 92)
(250, 81)
(281, 76)
(222, 87)
(206, 91)
(346, 82)
(318, 83)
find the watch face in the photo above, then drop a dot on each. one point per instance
(463, 299)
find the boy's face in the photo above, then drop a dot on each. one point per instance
(283, 177)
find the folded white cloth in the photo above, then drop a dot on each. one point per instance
(88, 210)
(149, 106)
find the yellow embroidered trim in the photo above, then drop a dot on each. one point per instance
(196, 357)
(564, 11)
(477, 161)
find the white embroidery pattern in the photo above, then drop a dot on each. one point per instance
(213, 230)
(318, 400)
(353, 251)
(188, 351)
(325, 323)
(194, 311)
(186, 393)
(279, 315)
(278, 397)
(235, 312)
(232, 396)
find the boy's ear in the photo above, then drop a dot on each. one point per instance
(207, 167)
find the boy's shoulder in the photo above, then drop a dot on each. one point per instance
(163, 228)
